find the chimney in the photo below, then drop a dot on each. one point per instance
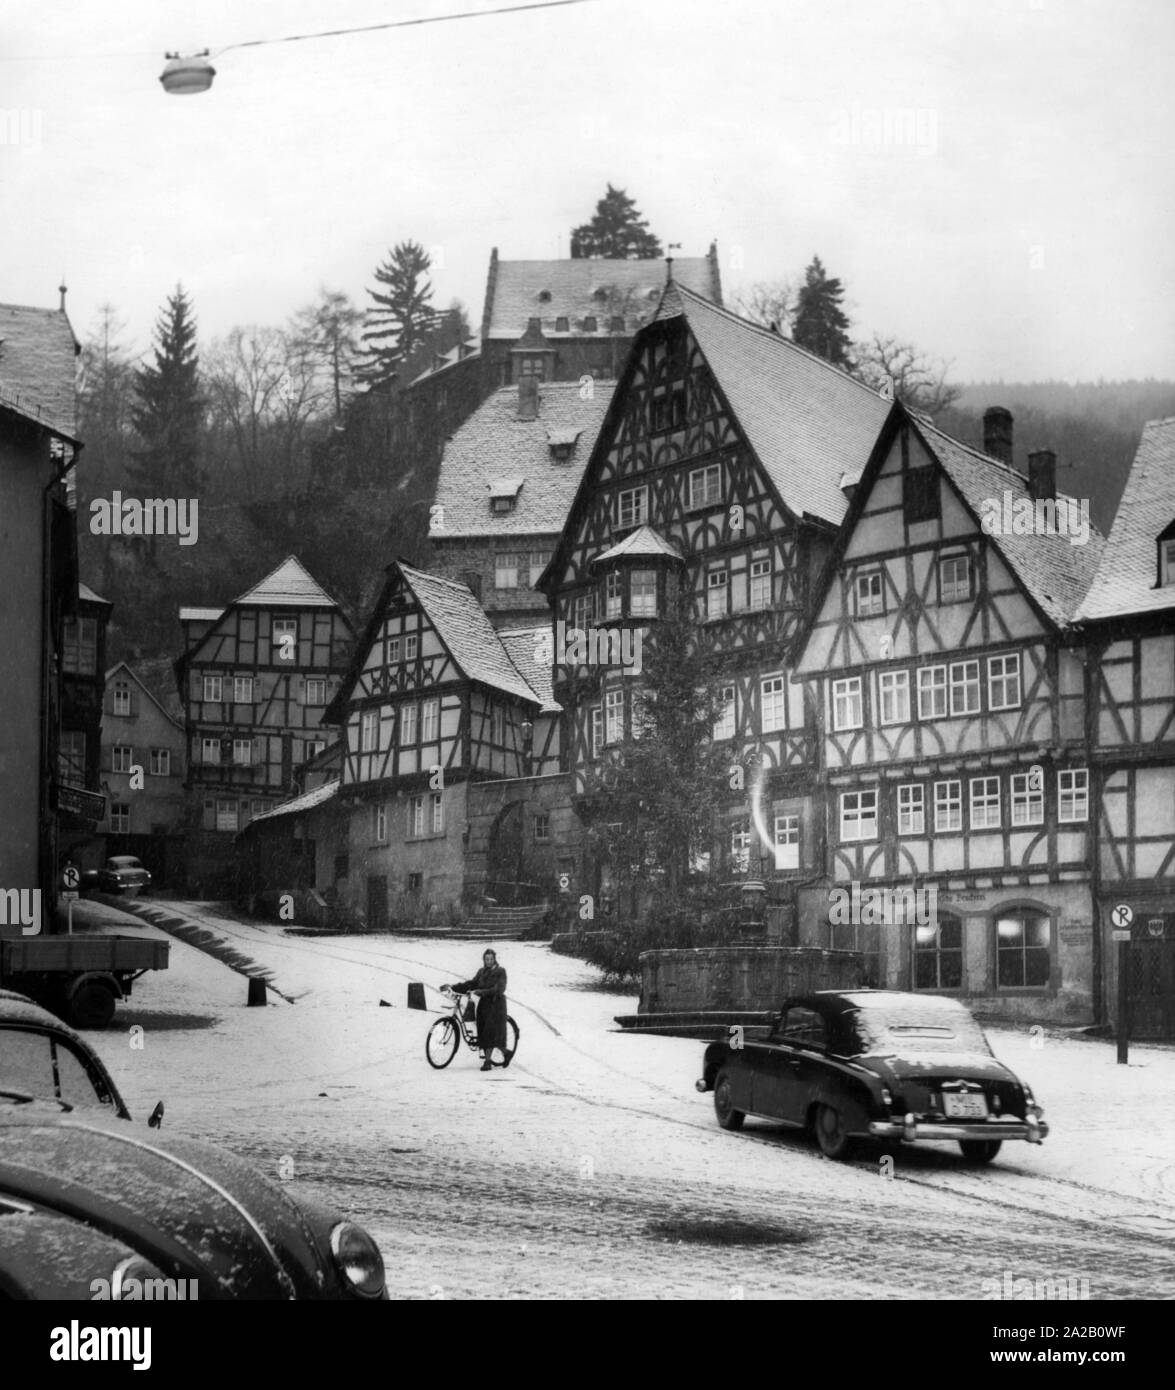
(528, 398)
(1042, 475)
(472, 581)
(997, 434)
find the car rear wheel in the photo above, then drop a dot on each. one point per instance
(728, 1116)
(92, 1006)
(830, 1132)
(979, 1150)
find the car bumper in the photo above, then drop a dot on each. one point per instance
(1033, 1130)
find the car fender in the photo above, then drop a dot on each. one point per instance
(853, 1091)
(103, 977)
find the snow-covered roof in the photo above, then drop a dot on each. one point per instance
(644, 542)
(317, 796)
(290, 585)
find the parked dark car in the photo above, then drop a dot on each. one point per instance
(94, 1205)
(874, 1064)
(123, 873)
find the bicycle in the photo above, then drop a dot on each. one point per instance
(444, 1037)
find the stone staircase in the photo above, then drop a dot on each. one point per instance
(498, 923)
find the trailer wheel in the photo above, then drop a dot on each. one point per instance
(92, 1005)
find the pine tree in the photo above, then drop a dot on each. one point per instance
(398, 323)
(616, 232)
(820, 325)
(168, 413)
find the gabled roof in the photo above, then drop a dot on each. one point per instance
(122, 666)
(307, 801)
(644, 541)
(200, 615)
(1126, 578)
(808, 422)
(522, 645)
(1055, 572)
(462, 625)
(579, 289)
(38, 353)
(87, 595)
(495, 443)
(290, 585)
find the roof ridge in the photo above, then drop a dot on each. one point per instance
(436, 578)
(774, 337)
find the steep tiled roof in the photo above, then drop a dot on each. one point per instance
(317, 796)
(1125, 579)
(494, 443)
(809, 422)
(38, 363)
(643, 541)
(290, 585)
(465, 630)
(580, 289)
(122, 666)
(200, 615)
(1055, 572)
(523, 644)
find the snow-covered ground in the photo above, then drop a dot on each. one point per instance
(591, 1167)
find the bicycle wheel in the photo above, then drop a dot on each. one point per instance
(440, 1047)
(511, 1044)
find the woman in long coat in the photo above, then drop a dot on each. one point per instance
(489, 985)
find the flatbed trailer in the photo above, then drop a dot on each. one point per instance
(79, 976)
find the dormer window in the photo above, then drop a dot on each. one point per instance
(616, 323)
(1166, 563)
(562, 325)
(501, 505)
(504, 495)
(589, 324)
(600, 294)
(544, 296)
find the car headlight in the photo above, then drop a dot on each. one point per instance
(358, 1259)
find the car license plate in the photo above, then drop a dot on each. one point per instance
(964, 1107)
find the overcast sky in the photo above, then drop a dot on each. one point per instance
(1017, 218)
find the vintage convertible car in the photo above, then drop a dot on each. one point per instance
(93, 1205)
(874, 1064)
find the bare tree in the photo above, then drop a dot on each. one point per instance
(900, 369)
(328, 331)
(772, 303)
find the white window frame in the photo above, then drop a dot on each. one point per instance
(642, 595)
(984, 806)
(912, 809)
(279, 628)
(393, 652)
(772, 704)
(122, 700)
(858, 816)
(210, 752)
(160, 762)
(242, 690)
(1027, 801)
(583, 611)
(597, 730)
(741, 840)
(416, 817)
(411, 646)
(932, 688)
(845, 716)
(1009, 671)
(506, 569)
(379, 822)
(948, 806)
(312, 747)
(717, 593)
(704, 488)
(726, 723)
(430, 720)
(409, 724)
(893, 697)
(213, 690)
(369, 731)
(228, 815)
(614, 716)
(120, 818)
(242, 752)
(316, 690)
(761, 583)
(632, 507)
(964, 683)
(953, 588)
(871, 602)
(437, 816)
(613, 594)
(786, 830)
(1073, 795)
(122, 756)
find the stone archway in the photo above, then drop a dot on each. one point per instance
(507, 846)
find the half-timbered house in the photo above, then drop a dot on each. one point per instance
(948, 692)
(436, 704)
(255, 678)
(1128, 623)
(507, 480)
(717, 467)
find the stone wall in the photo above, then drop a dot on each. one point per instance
(740, 977)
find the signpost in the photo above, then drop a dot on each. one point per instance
(70, 878)
(1122, 916)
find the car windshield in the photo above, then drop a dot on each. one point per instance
(125, 862)
(45, 1067)
(913, 1031)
